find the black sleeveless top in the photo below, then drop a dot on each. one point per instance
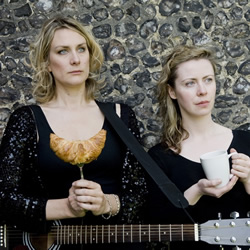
(59, 175)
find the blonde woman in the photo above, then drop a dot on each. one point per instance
(37, 188)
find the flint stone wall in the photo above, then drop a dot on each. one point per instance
(135, 35)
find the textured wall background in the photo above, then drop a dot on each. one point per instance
(135, 36)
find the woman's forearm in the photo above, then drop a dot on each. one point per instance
(58, 209)
(193, 194)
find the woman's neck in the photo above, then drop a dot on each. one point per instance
(201, 126)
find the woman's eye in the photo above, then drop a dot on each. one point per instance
(81, 50)
(62, 52)
(209, 79)
(191, 83)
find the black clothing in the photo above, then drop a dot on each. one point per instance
(184, 173)
(30, 173)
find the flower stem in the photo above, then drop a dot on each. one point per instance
(80, 165)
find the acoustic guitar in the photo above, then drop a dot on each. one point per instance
(234, 232)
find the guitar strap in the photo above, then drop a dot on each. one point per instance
(156, 173)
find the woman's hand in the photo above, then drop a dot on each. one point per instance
(85, 196)
(208, 187)
(241, 168)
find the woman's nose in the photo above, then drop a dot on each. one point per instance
(202, 90)
(75, 59)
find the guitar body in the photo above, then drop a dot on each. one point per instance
(13, 239)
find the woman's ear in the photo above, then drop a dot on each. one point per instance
(49, 69)
(171, 92)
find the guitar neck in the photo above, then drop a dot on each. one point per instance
(96, 234)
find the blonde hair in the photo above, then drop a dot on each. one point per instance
(44, 87)
(173, 131)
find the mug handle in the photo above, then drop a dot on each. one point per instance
(229, 155)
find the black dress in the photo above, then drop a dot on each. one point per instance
(184, 173)
(31, 174)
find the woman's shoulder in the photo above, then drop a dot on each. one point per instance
(241, 140)
(241, 137)
(158, 149)
(21, 114)
(241, 133)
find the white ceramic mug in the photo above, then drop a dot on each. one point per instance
(216, 166)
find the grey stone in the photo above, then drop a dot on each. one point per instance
(4, 114)
(158, 47)
(166, 30)
(246, 101)
(22, 25)
(87, 3)
(121, 85)
(240, 31)
(224, 116)
(8, 95)
(135, 100)
(193, 6)
(236, 13)
(125, 29)
(115, 50)
(102, 31)
(3, 79)
(209, 3)
(240, 116)
(233, 48)
(130, 64)
(44, 5)
(101, 14)
(117, 14)
(244, 68)
(226, 3)
(21, 82)
(37, 21)
(10, 63)
(247, 15)
(208, 20)
(7, 28)
(196, 22)
(221, 19)
(149, 140)
(2, 46)
(142, 79)
(86, 19)
(241, 86)
(226, 101)
(133, 11)
(201, 38)
(247, 43)
(23, 11)
(148, 27)
(231, 68)
(20, 44)
(115, 69)
(150, 11)
(169, 7)
(184, 25)
(150, 61)
(134, 45)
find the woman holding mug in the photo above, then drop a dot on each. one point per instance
(187, 90)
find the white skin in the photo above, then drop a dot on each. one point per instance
(195, 90)
(69, 64)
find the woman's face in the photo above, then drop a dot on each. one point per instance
(69, 58)
(195, 88)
